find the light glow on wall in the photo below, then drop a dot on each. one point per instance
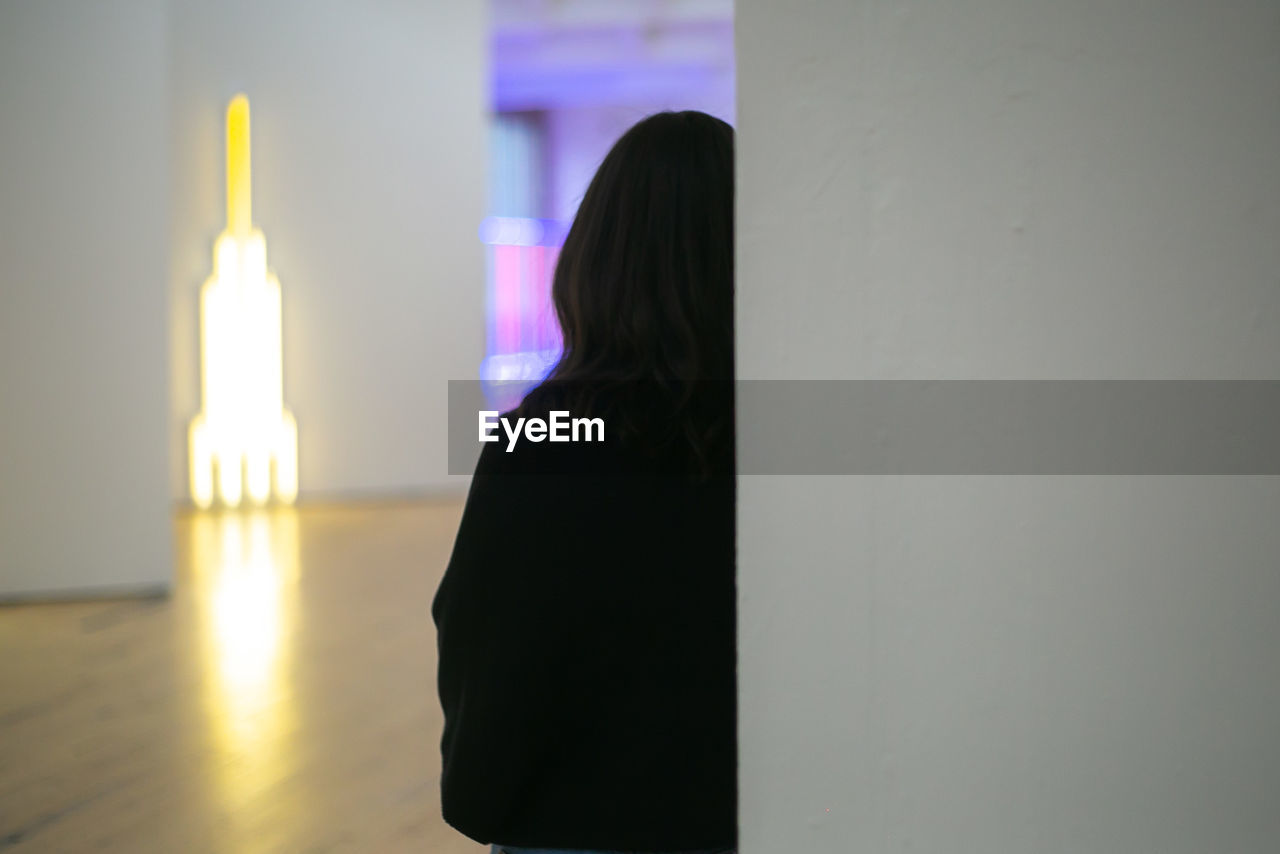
(244, 433)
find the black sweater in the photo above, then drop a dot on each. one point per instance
(586, 631)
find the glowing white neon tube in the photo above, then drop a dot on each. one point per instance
(244, 427)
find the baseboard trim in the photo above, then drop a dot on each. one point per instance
(104, 593)
(438, 494)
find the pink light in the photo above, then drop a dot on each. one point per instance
(524, 335)
(543, 326)
(506, 299)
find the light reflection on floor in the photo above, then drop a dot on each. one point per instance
(280, 699)
(245, 566)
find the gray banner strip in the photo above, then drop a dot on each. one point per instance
(1008, 427)
(980, 427)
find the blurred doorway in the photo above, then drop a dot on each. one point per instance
(567, 78)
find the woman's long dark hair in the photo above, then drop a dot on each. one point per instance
(643, 290)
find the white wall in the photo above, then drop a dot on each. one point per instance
(368, 167)
(369, 145)
(84, 499)
(1003, 189)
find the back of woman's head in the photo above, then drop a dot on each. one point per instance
(643, 288)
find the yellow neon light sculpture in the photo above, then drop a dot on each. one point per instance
(244, 427)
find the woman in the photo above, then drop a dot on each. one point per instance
(586, 621)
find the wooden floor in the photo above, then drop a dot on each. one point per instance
(281, 700)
